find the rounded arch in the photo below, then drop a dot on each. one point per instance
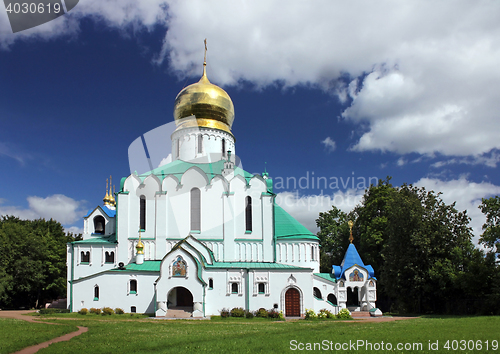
(194, 177)
(99, 225)
(317, 293)
(332, 299)
(180, 297)
(353, 296)
(292, 302)
(131, 183)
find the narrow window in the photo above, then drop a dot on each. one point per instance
(85, 257)
(110, 257)
(195, 210)
(96, 293)
(312, 253)
(234, 288)
(223, 147)
(210, 283)
(317, 293)
(133, 309)
(99, 225)
(177, 148)
(200, 144)
(248, 214)
(262, 288)
(133, 286)
(142, 224)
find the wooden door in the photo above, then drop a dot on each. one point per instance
(292, 302)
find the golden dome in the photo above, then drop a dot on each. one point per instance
(210, 104)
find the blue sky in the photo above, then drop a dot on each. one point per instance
(402, 89)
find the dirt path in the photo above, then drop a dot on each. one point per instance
(21, 315)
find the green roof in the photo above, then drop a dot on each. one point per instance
(326, 276)
(178, 167)
(109, 239)
(252, 265)
(286, 227)
(147, 266)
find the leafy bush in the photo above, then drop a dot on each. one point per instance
(107, 311)
(324, 313)
(310, 314)
(344, 314)
(281, 317)
(224, 313)
(273, 313)
(95, 311)
(249, 314)
(83, 311)
(119, 311)
(237, 312)
(262, 312)
(51, 311)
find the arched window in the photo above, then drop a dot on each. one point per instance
(195, 210)
(210, 283)
(142, 208)
(332, 299)
(234, 288)
(248, 214)
(96, 293)
(223, 147)
(312, 253)
(200, 143)
(262, 288)
(133, 286)
(317, 293)
(133, 309)
(85, 257)
(99, 225)
(110, 257)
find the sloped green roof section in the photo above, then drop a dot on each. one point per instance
(147, 266)
(110, 239)
(326, 276)
(178, 167)
(253, 265)
(286, 227)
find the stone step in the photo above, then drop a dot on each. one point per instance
(178, 313)
(360, 314)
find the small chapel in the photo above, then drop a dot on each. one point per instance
(200, 234)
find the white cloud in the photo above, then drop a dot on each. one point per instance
(306, 208)
(329, 144)
(58, 207)
(74, 229)
(401, 161)
(424, 75)
(467, 196)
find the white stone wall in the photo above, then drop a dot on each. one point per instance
(114, 292)
(185, 145)
(298, 253)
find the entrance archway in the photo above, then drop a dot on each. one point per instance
(292, 302)
(352, 296)
(180, 297)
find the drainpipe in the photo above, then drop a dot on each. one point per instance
(204, 292)
(72, 275)
(247, 300)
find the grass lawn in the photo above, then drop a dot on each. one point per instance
(114, 334)
(17, 334)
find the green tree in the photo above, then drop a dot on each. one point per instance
(491, 235)
(334, 237)
(419, 246)
(32, 261)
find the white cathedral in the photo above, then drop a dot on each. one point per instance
(200, 234)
